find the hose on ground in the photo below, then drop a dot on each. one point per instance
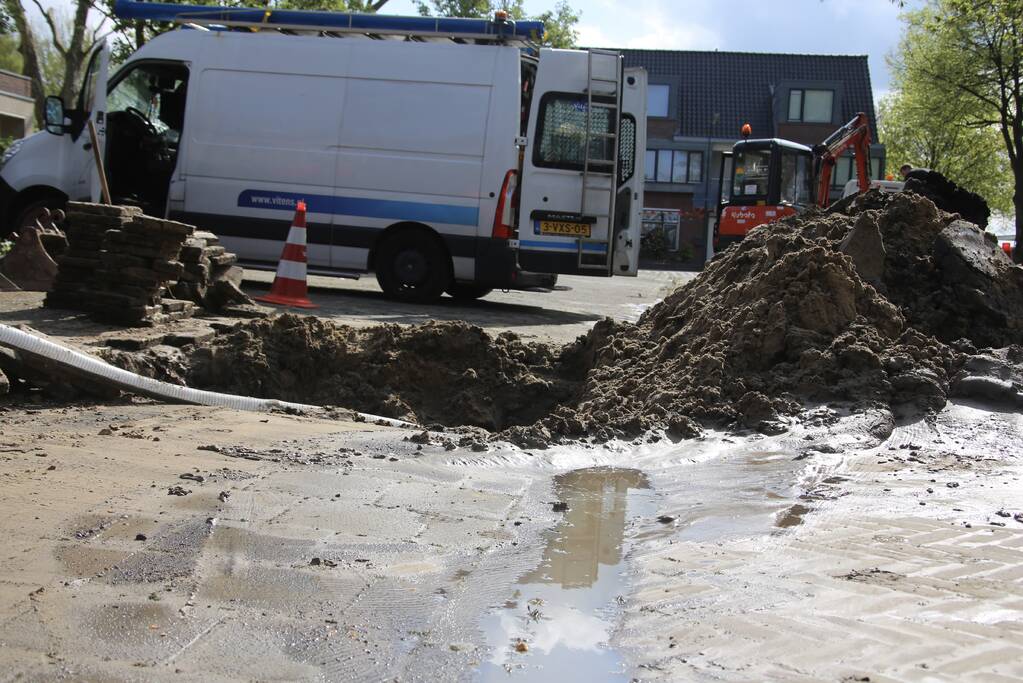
(92, 368)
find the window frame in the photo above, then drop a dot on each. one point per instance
(541, 120)
(688, 166)
(667, 102)
(802, 104)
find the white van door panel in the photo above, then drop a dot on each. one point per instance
(81, 164)
(629, 206)
(259, 142)
(98, 116)
(562, 227)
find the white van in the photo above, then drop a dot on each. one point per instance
(443, 158)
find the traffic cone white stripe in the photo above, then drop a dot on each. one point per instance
(291, 270)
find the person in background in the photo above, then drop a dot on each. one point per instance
(904, 170)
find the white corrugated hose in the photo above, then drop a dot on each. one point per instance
(91, 367)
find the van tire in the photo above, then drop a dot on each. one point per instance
(413, 266)
(466, 292)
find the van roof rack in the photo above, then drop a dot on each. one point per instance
(336, 23)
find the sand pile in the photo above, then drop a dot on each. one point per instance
(874, 307)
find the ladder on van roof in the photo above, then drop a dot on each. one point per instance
(605, 89)
(337, 24)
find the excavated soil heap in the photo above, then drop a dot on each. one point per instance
(876, 306)
(449, 373)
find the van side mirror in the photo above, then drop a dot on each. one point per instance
(54, 115)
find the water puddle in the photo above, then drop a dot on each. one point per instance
(557, 624)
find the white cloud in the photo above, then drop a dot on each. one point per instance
(656, 27)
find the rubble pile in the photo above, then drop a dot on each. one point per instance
(210, 277)
(118, 264)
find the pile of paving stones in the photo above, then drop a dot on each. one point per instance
(206, 263)
(119, 264)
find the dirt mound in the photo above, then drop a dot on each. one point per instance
(446, 373)
(780, 319)
(948, 276)
(948, 196)
(875, 306)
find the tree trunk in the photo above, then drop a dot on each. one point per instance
(1017, 201)
(77, 51)
(30, 57)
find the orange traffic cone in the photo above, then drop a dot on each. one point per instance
(289, 287)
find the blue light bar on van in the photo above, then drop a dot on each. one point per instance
(343, 22)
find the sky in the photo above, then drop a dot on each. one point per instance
(856, 27)
(869, 27)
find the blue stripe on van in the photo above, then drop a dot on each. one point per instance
(361, 206)
(561, 244)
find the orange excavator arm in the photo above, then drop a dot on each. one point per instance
(855, 134)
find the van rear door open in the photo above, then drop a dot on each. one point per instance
(570, 171)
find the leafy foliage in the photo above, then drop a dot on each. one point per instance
(559, 23)
(924, 130)
(969, 55)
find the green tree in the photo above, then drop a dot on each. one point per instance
(10, 57)
(559, 23)
(969, 51)
(54, 54)
(925, 131)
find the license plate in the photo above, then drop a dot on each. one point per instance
(564, 228)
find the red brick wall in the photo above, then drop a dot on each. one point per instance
(15, 84)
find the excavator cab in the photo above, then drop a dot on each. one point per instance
(775, 178)
(770, 179)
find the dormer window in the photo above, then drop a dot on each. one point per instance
(657, 100)
(811, 106)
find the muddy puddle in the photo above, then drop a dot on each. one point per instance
(558, 621)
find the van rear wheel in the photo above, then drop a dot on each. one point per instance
(464, 292)
(413, 266)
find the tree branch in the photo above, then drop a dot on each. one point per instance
(53, 28)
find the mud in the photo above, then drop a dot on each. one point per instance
(879, 305)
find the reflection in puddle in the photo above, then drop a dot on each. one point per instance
(557, 624)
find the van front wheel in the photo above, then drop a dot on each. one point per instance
(413, 266)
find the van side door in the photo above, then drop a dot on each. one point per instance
(570, 164)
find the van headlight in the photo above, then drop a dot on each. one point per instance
(10, 152)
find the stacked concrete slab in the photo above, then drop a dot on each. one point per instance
(206, 263)
(119, 264)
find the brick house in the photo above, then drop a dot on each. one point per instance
(697, 103)
(17, 108)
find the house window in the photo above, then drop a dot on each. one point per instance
(845, 170)
(657, 97)
(674, 166)
(811, 106)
